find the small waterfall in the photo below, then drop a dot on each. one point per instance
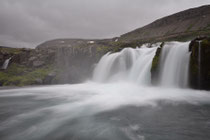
(6, 63)
(199, 64)
(129, 64)
(174, 65)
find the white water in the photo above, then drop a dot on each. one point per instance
(128, 65)
(64, 104)
(135, 65)
(174, 65)
(199, 63)
(6, 63)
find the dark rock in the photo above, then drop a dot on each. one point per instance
(32, 58)
(155, 65)
(38, 63)
(200, 63)
(1, 56)
(38, 81)
(50, 78)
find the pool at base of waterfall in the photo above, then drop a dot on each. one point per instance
(96, 111)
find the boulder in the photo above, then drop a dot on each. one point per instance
(49, 79)
(38, 81)
(32, 58)
(38, 63)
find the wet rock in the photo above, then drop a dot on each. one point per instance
(155, 65)
(200, 63)
(32, 58)
(38, 81)
(38, 63)
(1, 56)
(49, 79)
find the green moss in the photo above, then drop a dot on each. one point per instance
(156, 60)
(18, 75)
(155, 65)
(193, 67)
(11, 50)
(102, 49)
(205, 43)
(203, 65)
(15, 69)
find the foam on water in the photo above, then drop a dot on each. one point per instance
(129, 64)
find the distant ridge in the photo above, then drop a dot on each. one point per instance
(182, 26)
(194, 21)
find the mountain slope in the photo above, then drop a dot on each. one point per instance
(189, 22)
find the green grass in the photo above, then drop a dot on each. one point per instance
(11, 50)
(18, 75)
(103, 49)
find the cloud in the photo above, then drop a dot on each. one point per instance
(27, 23)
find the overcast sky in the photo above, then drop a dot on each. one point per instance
(27, 23)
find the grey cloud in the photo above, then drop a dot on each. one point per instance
(26, 23)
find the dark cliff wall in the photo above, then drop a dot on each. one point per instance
(53, 62)
(74, 59)
(199, 68)
(200, 63)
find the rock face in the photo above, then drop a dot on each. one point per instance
(183, 25)
(200, 63)
(6, 53)
(155, 69)
(53, 62)
(199, 68)
(73, 59)
(26, 67)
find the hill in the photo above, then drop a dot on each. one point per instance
(183, 25)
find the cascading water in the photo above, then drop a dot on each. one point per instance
(129, 64)
(199, 64)
(174, 64)
(135, 64)
(115, 105)
(6, 63)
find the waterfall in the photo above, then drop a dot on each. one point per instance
(199, 64)
(130, 64)
(174, 64)
(6, 63)
(134, 65)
